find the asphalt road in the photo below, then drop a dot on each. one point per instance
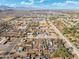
(64, 38)
(11, 47)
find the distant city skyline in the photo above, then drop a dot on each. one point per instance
(45, 4)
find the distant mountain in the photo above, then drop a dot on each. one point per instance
(7, 8)
(24, 8)
(3, 8)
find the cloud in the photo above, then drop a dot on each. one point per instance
(41, 1)
(13, 5)
(31, 2)
(72, 2)
(66, 3)
(10, 5)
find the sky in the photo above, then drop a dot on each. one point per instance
(43, 4)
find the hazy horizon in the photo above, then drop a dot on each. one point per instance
(43, 4)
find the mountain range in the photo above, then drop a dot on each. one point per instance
(3, 7)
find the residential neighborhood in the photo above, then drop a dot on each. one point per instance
(39, 35)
